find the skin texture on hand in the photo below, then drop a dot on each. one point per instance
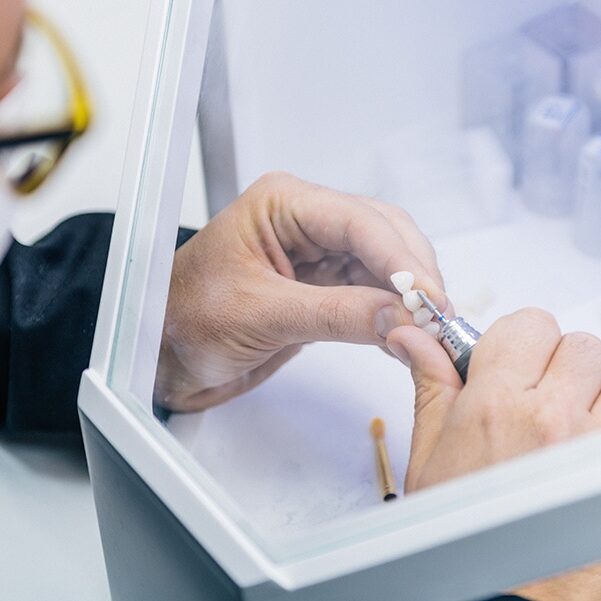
(528, 387)
(286, 264)
(580, 585)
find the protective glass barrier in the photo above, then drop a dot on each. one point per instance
(467, 117)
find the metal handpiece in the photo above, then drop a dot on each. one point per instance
(458, 338)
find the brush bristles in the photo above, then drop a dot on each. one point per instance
(377, 428)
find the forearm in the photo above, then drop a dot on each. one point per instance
(579, 585)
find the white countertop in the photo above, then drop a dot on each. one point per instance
(50, 545)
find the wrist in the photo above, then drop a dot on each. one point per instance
(579, 585)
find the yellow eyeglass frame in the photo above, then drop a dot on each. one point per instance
(79, 112)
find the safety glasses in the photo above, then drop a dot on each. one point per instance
(45, 112)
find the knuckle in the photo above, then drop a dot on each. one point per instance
(492, 408)
(279, 190)
(542, 419)
(269, 192)
(537, 316)
(276, 181)
(392, 212)
(406, 217)
(334, 318)
(551, 421)
(583, 344)
(530, 321)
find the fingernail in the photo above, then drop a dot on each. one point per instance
(387, 319)
(401, 353)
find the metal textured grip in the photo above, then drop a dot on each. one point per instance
(463, 363)
(458, 339)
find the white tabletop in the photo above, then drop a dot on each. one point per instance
(50, 545)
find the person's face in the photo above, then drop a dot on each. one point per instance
(12, 15)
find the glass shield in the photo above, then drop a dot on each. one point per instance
(456, 138)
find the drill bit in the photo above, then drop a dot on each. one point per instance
(432, 307)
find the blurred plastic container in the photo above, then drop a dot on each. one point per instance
(449, 182)
(571, 35)
(588, 204)
(502, 80)
(556, 130)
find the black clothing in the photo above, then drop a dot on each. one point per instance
(49, 298)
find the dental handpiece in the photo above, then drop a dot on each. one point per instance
(457, 337)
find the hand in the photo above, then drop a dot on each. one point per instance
(528, 386)
(578, 585)
(287, 263)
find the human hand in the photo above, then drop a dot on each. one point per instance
(287, 263)
(528, 386)
(578, 585)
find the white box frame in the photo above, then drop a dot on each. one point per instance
(442, 543)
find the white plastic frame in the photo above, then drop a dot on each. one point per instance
(485, 532)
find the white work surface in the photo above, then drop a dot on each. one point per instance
(50, 544)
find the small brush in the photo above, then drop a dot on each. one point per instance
(385, 475)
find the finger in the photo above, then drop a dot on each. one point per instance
(432, 370)
(220, 394)
(354, 226)
(301, 312)
(340, 222)
(417, 242)
(358, 275)
(329, 271)
(574, 373)
(386, 350)
(517, 349)
(336, 271)
(437, 385)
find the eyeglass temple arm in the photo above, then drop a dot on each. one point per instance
(34, 138)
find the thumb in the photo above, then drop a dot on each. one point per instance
(437, 385)
(432, 370)
(357, 314)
